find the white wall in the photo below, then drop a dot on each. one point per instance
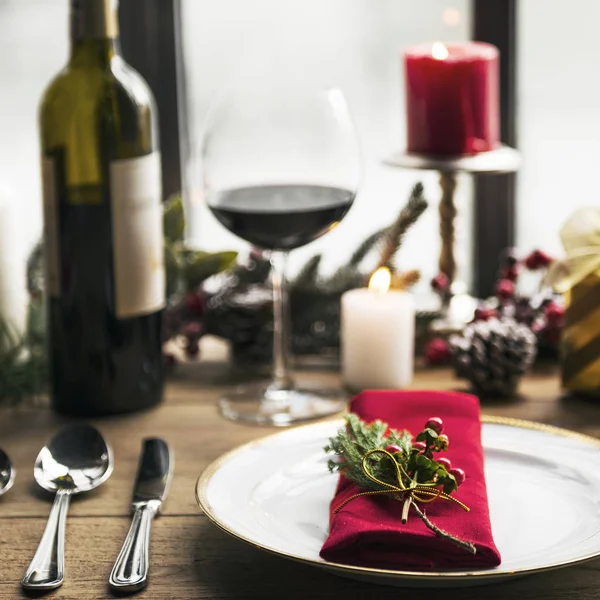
(559, 121)
(353, 44)
(33, 46)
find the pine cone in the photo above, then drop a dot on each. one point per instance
(493, 355)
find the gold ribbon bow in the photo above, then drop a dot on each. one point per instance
(580, 236)
(421, 492)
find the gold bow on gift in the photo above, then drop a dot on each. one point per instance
(581, 239)
(417, 492)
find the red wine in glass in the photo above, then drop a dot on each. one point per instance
(281, 217)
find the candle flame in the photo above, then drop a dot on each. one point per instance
(380, 280)
(439, 51)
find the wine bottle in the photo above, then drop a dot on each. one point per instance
(105, 280)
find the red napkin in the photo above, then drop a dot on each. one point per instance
(368, 531)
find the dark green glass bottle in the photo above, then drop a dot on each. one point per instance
(105, 278)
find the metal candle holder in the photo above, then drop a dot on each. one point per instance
(495, 162)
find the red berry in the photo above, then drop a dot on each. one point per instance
(440, 283)
(443, 442)
(169, 360)
(554, 313)
(510, 258)
(437, 352)
(445, 462)
(538, 326)
(458, 474)
(257, 254)
(436, 424)
(419, 446)
(485, 314)
(505, 289)
(511, 273)
(393, 449)
(537, 260)
(195, 302)
(545, 260)
(192, 330)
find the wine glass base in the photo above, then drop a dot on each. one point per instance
(269, 405)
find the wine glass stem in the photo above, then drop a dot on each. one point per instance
(281, 323)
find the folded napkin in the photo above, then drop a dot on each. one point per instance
(368, 531)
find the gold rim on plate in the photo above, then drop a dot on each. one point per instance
(206, 475)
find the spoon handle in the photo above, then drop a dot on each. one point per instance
(130, 572)
(47, 569)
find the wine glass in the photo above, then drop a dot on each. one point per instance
(281, 167)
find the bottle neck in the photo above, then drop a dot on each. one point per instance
(94, 31)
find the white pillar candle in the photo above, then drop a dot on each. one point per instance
(13, 288)
(377, 336)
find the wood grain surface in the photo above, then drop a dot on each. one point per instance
(190, 557)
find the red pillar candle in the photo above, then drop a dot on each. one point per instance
(452, 98)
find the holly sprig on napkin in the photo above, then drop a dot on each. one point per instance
(381, 460)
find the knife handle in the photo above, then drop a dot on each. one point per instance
(130, 572)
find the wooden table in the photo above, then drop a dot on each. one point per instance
(190, 557)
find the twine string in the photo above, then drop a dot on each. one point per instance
(420, 492)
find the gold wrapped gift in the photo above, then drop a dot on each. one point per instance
(578, 277)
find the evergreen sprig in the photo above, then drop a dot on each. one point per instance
(408, 216)
(355, 440)
(415, 460)
(366, 246)
(309, 274)
(406, 280)
(23, 365)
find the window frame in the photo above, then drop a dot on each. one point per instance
(151, 43)
(494, 214)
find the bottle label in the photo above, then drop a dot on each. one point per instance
(138, 254)
(51, 238)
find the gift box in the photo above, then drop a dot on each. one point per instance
(578, 278)
(581, 337)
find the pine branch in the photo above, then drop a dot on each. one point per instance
(358, 438)
(349, 276)
(366, 246)
(441, 533)
(11, 344)
(35, 271)
(23, 367)
(402, 439)
(389, 238)
(345, 278)
(406, 280)
(309, 273)
(408, 216)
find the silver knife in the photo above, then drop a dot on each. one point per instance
(155, 470)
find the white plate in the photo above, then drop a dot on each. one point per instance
(543, 485)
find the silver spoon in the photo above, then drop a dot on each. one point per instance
(7, 473)
(76, 460)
